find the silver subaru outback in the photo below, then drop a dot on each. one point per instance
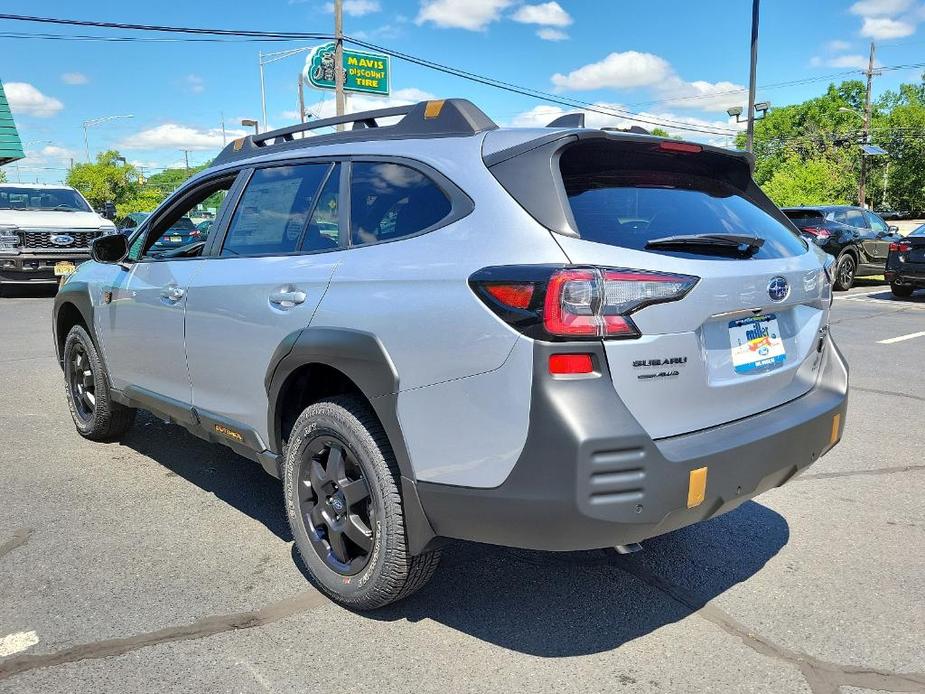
(431, 327)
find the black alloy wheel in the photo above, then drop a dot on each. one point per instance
(844, 273)
(336, 505)
(81, 383)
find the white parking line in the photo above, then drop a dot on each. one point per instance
(15, 643)
(901, 338)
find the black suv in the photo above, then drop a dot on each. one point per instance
(858, 238)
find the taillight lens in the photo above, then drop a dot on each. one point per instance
(818, 232)
(570, 364)
(901, 247)
(547, 302)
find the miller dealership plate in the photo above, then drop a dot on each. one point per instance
(64, 268)
(756, 342)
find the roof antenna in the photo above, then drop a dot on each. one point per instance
(569, 120)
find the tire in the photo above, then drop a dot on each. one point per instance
(86, 383)
(336, 445)
(902, 291)
(845, 268)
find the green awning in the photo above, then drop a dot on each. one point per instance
(10, 144)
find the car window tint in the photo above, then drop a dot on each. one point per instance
(876, 223)
(856, 219)
(272, 212)
(840, 216)
(392, 201)
(323, 231)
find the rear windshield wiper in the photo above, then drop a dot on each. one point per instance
(731, 242)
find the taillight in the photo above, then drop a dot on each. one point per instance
(195, 233)
(547, 302)
(901, 247)
(818, 232)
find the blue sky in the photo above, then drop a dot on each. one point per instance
(675, 61)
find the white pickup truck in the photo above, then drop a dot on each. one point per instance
(45, 232)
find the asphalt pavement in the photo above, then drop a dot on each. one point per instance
(165, 564)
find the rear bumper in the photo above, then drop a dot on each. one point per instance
(37, 268)
(910, 277)
(590, 477)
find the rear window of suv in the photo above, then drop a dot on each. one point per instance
(629, 207)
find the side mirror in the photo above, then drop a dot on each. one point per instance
(894, 229)
(108, 211)
(110, 249)
(881, 234)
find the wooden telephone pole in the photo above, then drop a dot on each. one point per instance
(862, 181)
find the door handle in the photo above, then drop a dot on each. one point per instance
(288, 299)
(172, 292)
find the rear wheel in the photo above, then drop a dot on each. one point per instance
(344, 506)
(902, 291)
(844, 272)
(95, 414)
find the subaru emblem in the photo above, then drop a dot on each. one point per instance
(778, 289)
(61, 239)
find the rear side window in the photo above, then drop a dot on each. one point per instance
(630, 208)
(856, 218)
(272, 214)
(392, 201)
(802, 217)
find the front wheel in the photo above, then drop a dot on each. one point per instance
(902, 291)
(344, 505)
(95, 414)
(844, 272)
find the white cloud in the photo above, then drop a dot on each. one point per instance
(195, 84)
(55, 152)
(886, 28)
(633, 69)
(26, 100)
(473, 15)
(849, 60)
(355, 8)
(618, 71)
(361, 102)
(549, 34)
(837, 46)
(547, 13)
(176, 136)
(540, 116)
(880, 8)
(74, 78)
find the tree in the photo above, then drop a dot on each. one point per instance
(816, 182)
(107, 180)
(2, 176)
(660, 132)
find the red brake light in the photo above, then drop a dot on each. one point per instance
(512, 295)
(818, 232)
(901, 247)
(561, 364)
(570, 300)
(685, 147)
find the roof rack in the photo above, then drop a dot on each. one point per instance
(632, 129)
(443, 118)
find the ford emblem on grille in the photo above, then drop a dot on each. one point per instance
(61, 239)
(778, 289)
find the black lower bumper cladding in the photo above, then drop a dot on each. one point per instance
(590, 477)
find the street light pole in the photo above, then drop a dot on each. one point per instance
(339, 59)
(263, 90)
(752, 73)
(92, 123)
(862, 181)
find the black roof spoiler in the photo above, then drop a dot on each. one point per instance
(439, 118)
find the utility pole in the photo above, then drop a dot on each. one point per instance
(339, 58)
(862, 181)
(301, 100)
(186, 155)
(263, 90)
(224, 136)
(752, 73)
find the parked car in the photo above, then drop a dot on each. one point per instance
(182, 232)
(557, 339)
(905, 264)
(203, 227)
(891, 215)
(45, 232)
(858, 238)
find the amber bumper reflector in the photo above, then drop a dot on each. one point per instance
(697, 487)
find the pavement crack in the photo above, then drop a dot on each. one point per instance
(20, 537)
(892, 393)
(862, 473)
(822, 676)
(202, 628)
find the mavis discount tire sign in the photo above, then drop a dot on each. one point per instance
(368, 73)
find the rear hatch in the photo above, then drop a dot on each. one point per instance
(746, 337)
(913, 259)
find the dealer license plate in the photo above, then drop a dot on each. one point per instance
(756, 343)
(64, 268)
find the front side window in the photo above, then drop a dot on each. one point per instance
(876, 223)
(271, 217)
(392, 201)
